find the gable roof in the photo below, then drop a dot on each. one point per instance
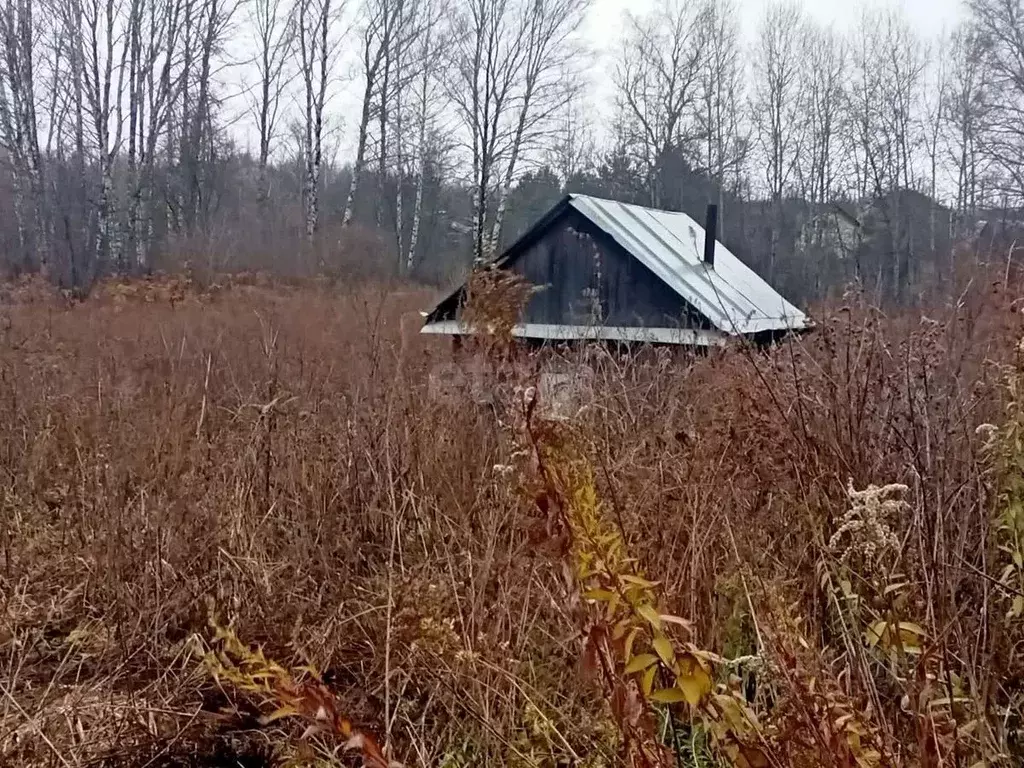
(670, 244)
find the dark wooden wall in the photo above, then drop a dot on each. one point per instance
(589, 280)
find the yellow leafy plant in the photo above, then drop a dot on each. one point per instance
(642, 653)
(282, 693)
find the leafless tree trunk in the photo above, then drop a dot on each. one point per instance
(103, 98)
(1000, 25)
(19, 128)
(657, 82)
(314, 19)
(274, 35)
(964, 115)
(399, 155)
(509, 77)
(823, 99)
(79, 241)
(422, 119)
(487, 61)
(824, 95)
(932, 117)
(888, 64)
(546, 83)
(426, 96)
(161, 89)
(381, 22)
(214, 17)
(721, 92)
(777, 111)
(573, 148)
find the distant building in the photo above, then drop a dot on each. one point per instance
(999, 230)
(611, 271)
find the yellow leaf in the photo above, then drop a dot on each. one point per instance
(1017, 609)
(278, 713)
(647, 682)
(704, 658)
(653, 617)
(736, 716)
(695, 687)
(613, 606)
(911, 636)
(664, 649)
(620, 629)
(693, 680)
(668, 696)
(876, 631)
(641, 662)
(638, 581)
(668, 618)
(598, 594)
(869, 758)
(628, 647)
(914, 629)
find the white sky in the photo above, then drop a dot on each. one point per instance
(602, 31)
(930, 18)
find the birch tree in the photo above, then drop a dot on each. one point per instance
(103, 85)
(314, 19)
(157, 91)
(547, 83)
(395, 74)
(153, 37)
(380, 22)
(426, 102)
(415, 20)
(509, 77)
(18, 125)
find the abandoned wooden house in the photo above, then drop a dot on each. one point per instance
(617, 272)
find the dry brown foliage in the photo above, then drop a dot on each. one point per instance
(275, 448)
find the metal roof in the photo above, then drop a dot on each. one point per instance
(670, 244)
(730, 294)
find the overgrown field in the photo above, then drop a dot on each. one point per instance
(691, 570)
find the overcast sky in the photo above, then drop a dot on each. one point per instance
(603, 26)
(930, 16)
(602, 30)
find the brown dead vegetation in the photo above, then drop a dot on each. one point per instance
(275, 449)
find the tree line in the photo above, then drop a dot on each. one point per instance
(136, 134)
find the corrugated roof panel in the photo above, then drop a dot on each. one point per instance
(670, 244)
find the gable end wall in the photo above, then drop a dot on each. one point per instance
(589, 279)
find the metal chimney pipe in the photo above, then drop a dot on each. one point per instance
(710, 230)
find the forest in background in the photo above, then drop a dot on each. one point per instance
(145, 134)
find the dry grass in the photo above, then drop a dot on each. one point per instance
(275, 448)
